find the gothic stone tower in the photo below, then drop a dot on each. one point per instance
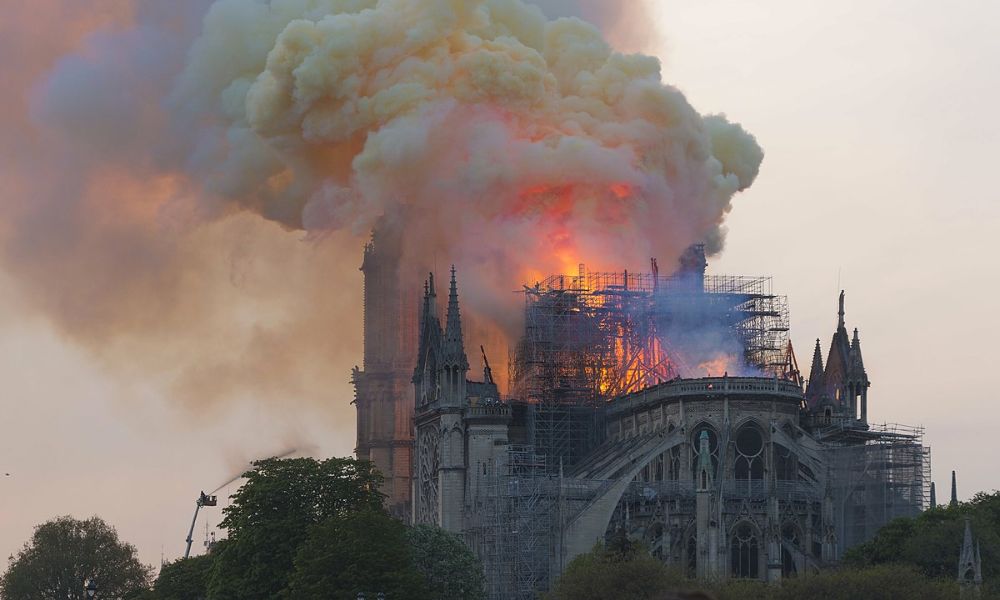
(440, 391)
(383, 394)
(461, 427)
(840, 389)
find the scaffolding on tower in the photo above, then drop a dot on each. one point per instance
(593, 337)
(883, 472)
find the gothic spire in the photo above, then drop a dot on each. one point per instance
(430, 327)
(969, 564)
(840, 313)
(954, 490)
(454, 344)
(816, 373)
(857, 361)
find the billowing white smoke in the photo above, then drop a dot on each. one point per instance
(517, 145)
(629, 26)
(514, 141)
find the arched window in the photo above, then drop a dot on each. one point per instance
(744, 552)
(713, 448)
(749, 453)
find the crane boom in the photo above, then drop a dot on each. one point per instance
(203, 500)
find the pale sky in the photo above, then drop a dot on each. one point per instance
(879, 123)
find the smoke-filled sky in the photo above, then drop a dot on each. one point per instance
(183, 185)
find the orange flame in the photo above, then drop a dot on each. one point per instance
(717, 367)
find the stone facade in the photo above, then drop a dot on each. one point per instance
(383, 388)
(752, 477)
(457, 421)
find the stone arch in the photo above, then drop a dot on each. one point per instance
(591, 523)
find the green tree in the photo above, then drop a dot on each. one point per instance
(185, 578)
(451, 570)
(271, 515)
(363, 552)
(620, 570)
(63, 553)
(886, 582)
(932, 541)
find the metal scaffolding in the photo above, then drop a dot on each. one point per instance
(513, 528)
(593, 337)
(878, 474)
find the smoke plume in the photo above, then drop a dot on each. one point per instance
(188, 182)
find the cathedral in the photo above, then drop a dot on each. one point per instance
(735, 467)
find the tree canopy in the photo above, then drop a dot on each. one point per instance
(363, 552)
(617, 570)
(271, 516)
(885, 582)
(63, 553)
(623, 570)
(932, 541)
(451, 570)
(184, 579)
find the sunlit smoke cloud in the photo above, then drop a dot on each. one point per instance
(190, 182)
(629, 26)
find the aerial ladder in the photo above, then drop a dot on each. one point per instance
(203, 500)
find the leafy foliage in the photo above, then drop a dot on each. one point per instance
(932, 541)
(625, 571)
(63, 553)
(184, 579)
(620, 570)
(272, 513)
(451, 570)
(364, 552)
(886, 582)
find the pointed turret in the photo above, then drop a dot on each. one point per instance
(835, 377)
(425, 311)
(426, 376)
(454, 344)
(432, 294)
(857, 361)
(954, 490)
(841, 313)
(970, 568)
(843, 386)
(816, 372)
